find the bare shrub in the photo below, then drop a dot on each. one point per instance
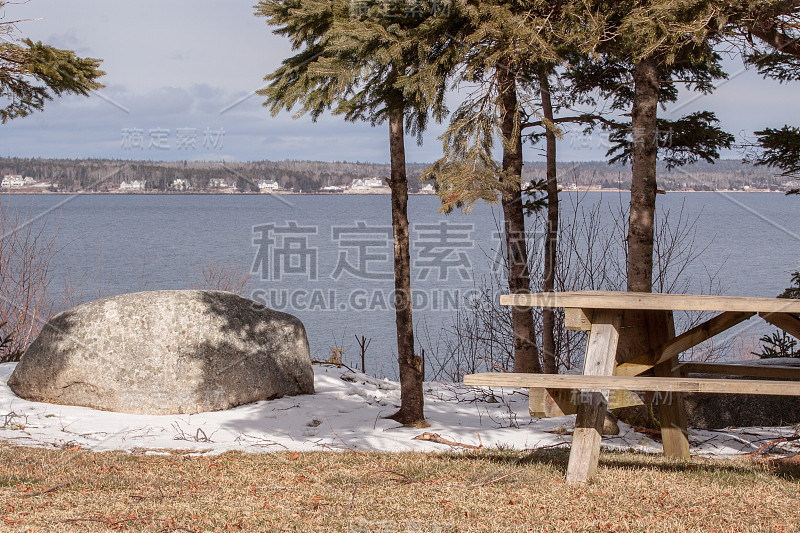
(591, 255)
(216, 277)
(27, 251)
(478, 339)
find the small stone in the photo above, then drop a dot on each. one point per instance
(610, 426)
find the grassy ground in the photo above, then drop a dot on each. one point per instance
(76, 490)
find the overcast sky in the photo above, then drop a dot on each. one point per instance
(181, 76)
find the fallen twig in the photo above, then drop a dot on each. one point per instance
(773, 443)
(107, 521)
(45, 491)
(115, 523)
(353, 497)
(548, 446)
(340, 438)
(338, 365)
(261, 442)
(435, 437)
(199, 436)
(349, 448)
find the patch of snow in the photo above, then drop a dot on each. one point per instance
(772, 361)
(346, 412)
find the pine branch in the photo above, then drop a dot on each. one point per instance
(580, 119)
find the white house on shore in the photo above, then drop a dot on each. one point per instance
(14, 180)
(367, 184)
(269, 186)
(217, 183)
(180, 184)
(135, 185)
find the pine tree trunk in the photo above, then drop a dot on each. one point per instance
(551, 240)
(643, 186)
(526, 354)
(411, 375)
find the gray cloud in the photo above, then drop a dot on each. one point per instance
(176, 65)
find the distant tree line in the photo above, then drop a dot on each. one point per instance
(101, 175)
(71, 175)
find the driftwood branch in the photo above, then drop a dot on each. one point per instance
(773, 443)
(435, 437)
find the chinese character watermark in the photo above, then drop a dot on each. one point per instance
(441, 247)
(162, 139)
(284, 250)
(372, 247)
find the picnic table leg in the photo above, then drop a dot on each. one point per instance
(672, 414)
(671, 410)
(599, 361)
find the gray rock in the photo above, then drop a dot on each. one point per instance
(166, 352)
(717, 411)
(610, 425)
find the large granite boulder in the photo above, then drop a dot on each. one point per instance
(166, 352)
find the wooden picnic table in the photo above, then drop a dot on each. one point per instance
(631, 334)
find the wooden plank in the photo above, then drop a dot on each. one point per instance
(549, 403)
(632, 369)
(576, 319)
(701, 333)
(652, 301)
(756, 371)
(706, 385)
(600, 356)
(787, 322)
(677, 345)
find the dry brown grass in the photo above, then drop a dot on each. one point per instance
(76, 490)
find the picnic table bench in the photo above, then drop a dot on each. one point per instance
(631, 334)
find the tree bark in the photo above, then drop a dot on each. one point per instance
(526, 353)
(643, 186)
(551, 239)
(411, 375)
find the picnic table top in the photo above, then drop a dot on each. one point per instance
(651, 301)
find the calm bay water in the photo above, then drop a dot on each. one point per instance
(328, 259)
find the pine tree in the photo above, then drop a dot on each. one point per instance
(769, 35)
(31, 73)
(502, 48)
(780, 148)
(648, 47)
(553, 99)
(354, 59)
